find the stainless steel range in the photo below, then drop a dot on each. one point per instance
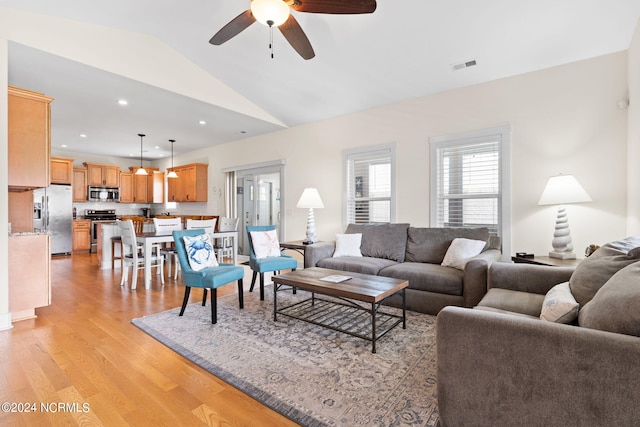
(97, 217)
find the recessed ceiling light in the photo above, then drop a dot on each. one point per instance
(64, 146)
(156, 147)
(83, 135)
(202, 122)
(122, 101)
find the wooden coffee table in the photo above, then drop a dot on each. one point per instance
(355, 307)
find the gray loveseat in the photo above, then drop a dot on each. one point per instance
(415, 254)
(500, 365)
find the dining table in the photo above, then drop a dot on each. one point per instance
(149, 239)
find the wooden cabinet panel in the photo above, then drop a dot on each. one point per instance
(81, 231)
(126, 187)
(140, 187)
(29, 282)
(156, 192)
(79, 185)
(190, 185)
(147, 188)
(21, 211)
(61, 170)
(103, 175)
(29, 139)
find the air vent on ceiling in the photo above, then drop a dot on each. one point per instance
(463, 65)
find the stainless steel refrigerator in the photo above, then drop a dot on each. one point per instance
(53, 212)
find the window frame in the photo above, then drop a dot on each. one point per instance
(503, 135)
(364, 153)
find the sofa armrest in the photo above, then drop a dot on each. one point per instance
(317, 251)
(501, 370)
(530, 278)
(475, 276)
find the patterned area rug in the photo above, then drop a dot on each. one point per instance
(312, 375)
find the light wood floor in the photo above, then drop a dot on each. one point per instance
(83, 350)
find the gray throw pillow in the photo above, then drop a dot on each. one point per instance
(592, 273)
(614, 307)
(388, 241)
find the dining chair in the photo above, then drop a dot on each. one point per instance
(165, 226)
(208, 225)
(116, 241)
(133, 257)
(264, 264)
(208, 278)
(224, 245)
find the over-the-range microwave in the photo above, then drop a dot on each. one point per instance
(103, 194)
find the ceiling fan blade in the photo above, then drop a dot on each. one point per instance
(334, 6)
(292, 31)
(233, 28)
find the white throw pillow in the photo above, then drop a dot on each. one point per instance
(460, 250)
(200, 251)
(265, 243)
(559, 305)
(348, 245)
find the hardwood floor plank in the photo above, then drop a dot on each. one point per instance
(84, 349)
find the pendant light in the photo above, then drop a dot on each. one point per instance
(172, 173)
(141, 170)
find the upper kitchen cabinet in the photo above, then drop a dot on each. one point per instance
(29, 123)
(147, 188)
(126, 187)
(79, 185)
(190, 185)
(61, 170)
(103, 175)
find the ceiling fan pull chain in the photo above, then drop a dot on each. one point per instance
(270, 36)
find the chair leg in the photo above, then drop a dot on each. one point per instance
(261, 286)
(175, 272)
(214, 306)
(125, 273)
(134, 277)
(295, 290)
(204, 297)
(253, 281)
(161, 270)
(240, 294)
(187, 291)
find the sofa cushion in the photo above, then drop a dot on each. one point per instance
(614, 307)
(559, 305)
(515, 301)
(387, 241)
(430, 244)
(348, 245)
(460, 251)
(592, 273)
(365, 265)
(427, 277)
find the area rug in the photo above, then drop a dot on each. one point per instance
(311, 375)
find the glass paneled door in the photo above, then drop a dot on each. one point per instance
(259, 201)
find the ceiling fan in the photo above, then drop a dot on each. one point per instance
(277, 13)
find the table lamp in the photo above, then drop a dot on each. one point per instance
(560, 190)
(310, 199)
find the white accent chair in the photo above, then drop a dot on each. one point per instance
(132, 256)
(167, 226)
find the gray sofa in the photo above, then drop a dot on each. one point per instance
(500, 365)
(415, 254)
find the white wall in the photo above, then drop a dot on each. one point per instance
(633, 158)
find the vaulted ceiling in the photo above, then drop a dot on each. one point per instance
(405, 49)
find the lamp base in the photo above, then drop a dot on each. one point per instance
(562, 255)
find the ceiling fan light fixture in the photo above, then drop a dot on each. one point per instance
(270, 12)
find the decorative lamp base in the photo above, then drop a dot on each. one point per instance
(562, 255)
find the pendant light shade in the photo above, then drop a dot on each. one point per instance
(172, 173)
(141, 170)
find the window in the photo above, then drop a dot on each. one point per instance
(468, 188)
(370, 185)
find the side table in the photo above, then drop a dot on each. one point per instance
(295, 245)
(545, 260)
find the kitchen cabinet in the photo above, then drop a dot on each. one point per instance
(190, 185)
(103, 175)
(147, 188)
(81, 232)
(21, 211)
(29, 124)
(61, 170)
(126, 187)
(79, 185)
(29, 274)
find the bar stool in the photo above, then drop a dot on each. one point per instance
(115, 240)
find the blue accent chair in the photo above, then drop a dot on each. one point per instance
(263, 265)
(207, 278)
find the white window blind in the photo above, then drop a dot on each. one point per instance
(369, 191)
(468, 184)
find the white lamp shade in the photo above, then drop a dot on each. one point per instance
(141, 171)
(310, 199)
(276, 11)
(563, 189)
